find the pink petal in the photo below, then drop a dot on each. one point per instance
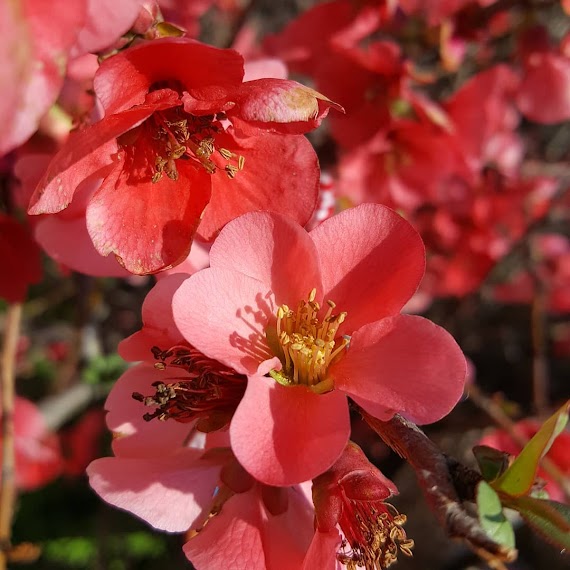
(372, 261)
(123, 80)
(238, 528)
(170, 493)
(323, 550)
(159, 328)
(86, 152)
(147, 226)
(287, 536)
(68, 242)
(280, 174)
(107, 21)
(33, 53)
(403, 364)
(285, 435)
(134, 436)
(272, 249)
(225, 314)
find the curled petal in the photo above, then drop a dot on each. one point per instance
(281, 105)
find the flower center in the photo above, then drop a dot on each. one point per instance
(374, 534)
(174, 135)
(209, 393)
(308, 345)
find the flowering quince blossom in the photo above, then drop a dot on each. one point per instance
(175, 486)
(257, 309)
(166, 151)
(354, 525)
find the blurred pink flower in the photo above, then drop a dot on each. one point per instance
(37, 450)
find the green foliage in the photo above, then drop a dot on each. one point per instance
(104, 369)
(81, 551)
(548, 518)
(492, 517)
(518, 479)
(491, 461)
(513, 488)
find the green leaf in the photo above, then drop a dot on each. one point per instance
(517, 480)
(492, 462)
(491, 516)
(548, 518)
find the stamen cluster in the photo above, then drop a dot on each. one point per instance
(180, 135)
(374, 534)
(209, 391)
(309, 344)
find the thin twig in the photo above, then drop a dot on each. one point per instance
(437, 476)
(7, 381)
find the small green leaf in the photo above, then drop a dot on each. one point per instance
(491, 516)
(517, 480)
(549, 518)
(492, 462)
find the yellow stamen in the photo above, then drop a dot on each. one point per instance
(308, 343)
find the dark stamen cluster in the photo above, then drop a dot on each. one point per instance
(209, 391)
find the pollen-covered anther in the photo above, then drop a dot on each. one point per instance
(209, 392)
(374, 535)
(309, 343)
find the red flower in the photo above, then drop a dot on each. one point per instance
(21, 259)
(166, 151)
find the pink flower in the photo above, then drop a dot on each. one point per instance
(257, 310)
(37, 450)
(163, 475)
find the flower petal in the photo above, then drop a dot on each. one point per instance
(158, 328)
(285, 435)
(89, 150)
(122, 80)
(403, 364)
(372, 261)
(272, 249)
(323, 550)
(148, 226)
(134, 436)
(281, 105)
(68, 242)
(238, 526)
(224, 314)
(280, 174)
(170, 493)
